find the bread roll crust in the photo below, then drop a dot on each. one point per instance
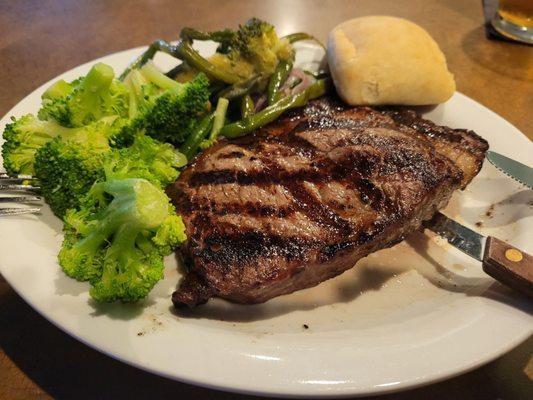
(381, 60)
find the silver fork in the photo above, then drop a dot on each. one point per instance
(16, 189)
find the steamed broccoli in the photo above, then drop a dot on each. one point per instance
(24, 136)
(67, 169)
(257, 42)
(146, 158)
(165, 109)
(253, 50)
(118, 238)
(86, 99)
(58, 89)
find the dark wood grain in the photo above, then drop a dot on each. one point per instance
(508, 265)
(40, 39)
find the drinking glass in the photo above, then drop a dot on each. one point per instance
(514, 19)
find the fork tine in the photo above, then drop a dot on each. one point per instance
(4, 176)
(18, 179)
(20, 199)
(16, 187)
(19, 211)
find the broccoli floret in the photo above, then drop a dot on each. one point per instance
(59, 89)
(86, 99)
(254, 49)
(258, 42)
(118, 238)
(167, 110)
(146, 158)
(24, 136)
(67, 169)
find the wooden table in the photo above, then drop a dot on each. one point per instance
(40, 39)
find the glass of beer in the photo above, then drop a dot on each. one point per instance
(514, 19)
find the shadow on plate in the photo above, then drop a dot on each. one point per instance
(479, 287)
(368, 276)
(65, 286)
(117, 310)
(367, 279)
(48, 217)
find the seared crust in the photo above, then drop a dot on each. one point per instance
(303, 199)
(464, 147)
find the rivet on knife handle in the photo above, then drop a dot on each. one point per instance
(510, 266)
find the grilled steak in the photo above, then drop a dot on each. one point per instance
(302, 200)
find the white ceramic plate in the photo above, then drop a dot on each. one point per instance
(404, 317)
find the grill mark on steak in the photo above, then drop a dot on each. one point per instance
(317, 212)
(464, 147)
(240, 248)
(233, 154)
(355, 167)
(303, 200)
(255, 209)
(260, 178)
(331, 185)
(324, 171)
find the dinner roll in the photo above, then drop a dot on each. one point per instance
(387, 60)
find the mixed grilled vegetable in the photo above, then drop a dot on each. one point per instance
(104, 148)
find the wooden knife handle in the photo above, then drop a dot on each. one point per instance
(508, 265)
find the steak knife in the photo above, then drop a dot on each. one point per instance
(506, 264)
(518, 171)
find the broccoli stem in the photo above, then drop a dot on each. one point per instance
(185, 51)
(271, 113)
(91, 243)
(95, 82)
(148, 73)
(296, 37)
(136, 202)
(99, 77)
(221, 36)
(59, 89)
(276, 80)
(247, 106)
(191, 145)
(122, 248)
(120, 211)
(135, 82)
(219, 119)
(152, 74)
(158, 45)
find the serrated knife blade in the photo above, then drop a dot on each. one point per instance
(516, 170)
